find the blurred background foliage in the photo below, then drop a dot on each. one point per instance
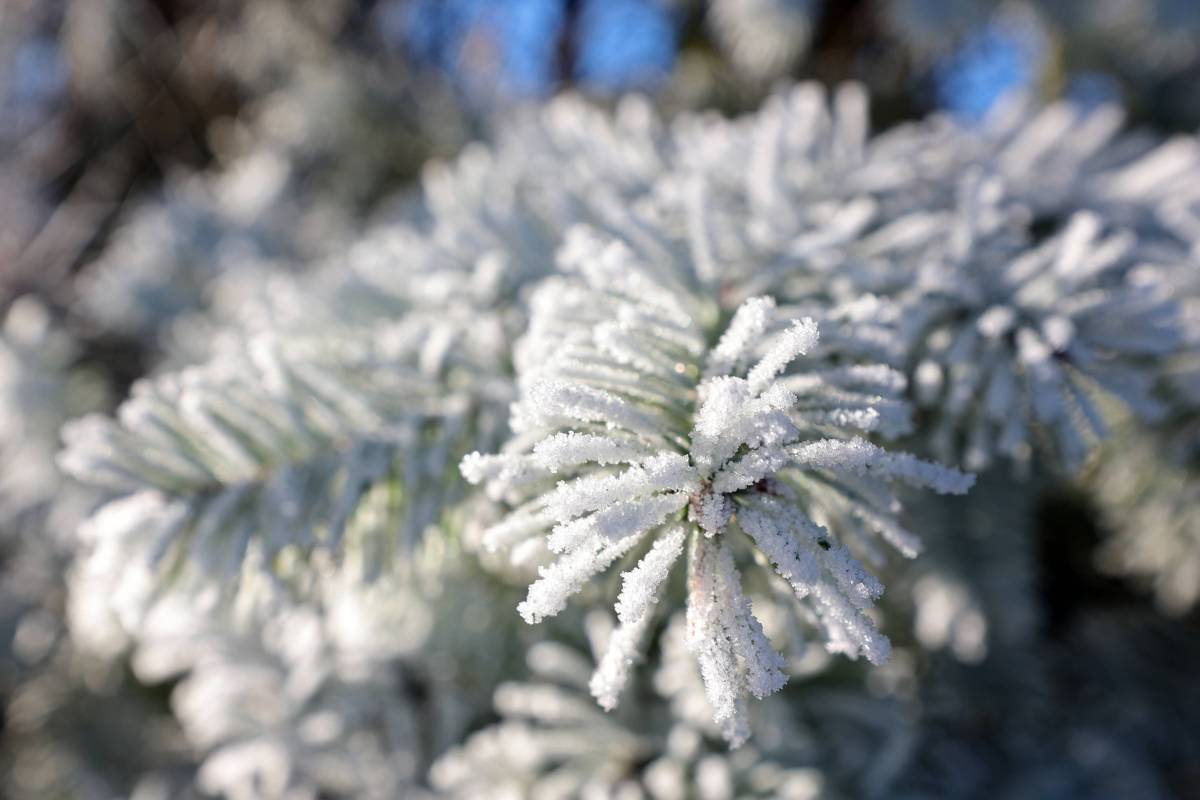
(103, 102)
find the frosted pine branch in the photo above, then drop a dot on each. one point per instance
(1005, 338)
(329, 406)
(1009, 340)
(639, 452)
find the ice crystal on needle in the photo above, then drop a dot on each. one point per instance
(660, 440)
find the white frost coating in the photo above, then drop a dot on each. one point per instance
(616, 665)
(660, 473)
(907, 543)
(720, 422)
(729, 418)
(778, 540)
(723, 634)
(750, 469)
(711, 511)
(478, 467)
(514, 528)
(746, 328)
(566, 450)
(713, 650)
(1007, 333)
(615, 521)
(644, 424)
(850, 631)
(860, 457)
(639, 593)
(550, 399)
(549, 593)
(821, 571)
(763, 664)
(862, 419)
(794, 342)
(640, 585)
(876, 377)
(622, 345)
(828, 217)
(610, 264)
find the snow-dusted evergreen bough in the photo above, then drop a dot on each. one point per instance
(710, 367)
(670, 437)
